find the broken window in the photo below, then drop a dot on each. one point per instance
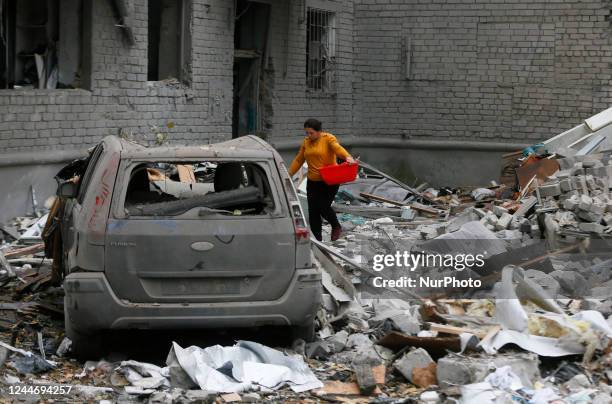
(169, 54)
(320, 49)
(41, 44)
(200, 189)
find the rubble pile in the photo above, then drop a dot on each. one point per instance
(536, 328)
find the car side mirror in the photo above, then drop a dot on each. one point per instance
(67, 189)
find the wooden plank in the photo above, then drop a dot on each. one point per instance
(424, 209)
(416, 206)
(30, 283)
(367, 211)
(436, 346)
(33, 249)
(381, 199)
(449, 329)
(490, 334)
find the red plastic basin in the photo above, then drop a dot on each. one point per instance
(339, 174)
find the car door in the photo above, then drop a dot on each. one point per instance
(74, 210)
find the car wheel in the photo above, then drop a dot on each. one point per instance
(84, 346)
(305, 332)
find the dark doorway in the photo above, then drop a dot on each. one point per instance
(250, 40)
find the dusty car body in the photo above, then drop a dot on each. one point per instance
(145, 249)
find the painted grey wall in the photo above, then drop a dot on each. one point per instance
(437, 167)
(15, 195)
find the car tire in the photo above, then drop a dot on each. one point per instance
(84, 346)
(305, 332)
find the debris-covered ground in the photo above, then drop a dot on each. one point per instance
(526, 319)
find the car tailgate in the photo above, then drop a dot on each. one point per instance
(200, 260)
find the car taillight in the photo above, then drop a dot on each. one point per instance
(302, 233)
(301, 229)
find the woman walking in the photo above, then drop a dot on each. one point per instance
(320, 149)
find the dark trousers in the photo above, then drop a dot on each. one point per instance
(320, 197)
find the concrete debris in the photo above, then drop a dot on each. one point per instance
(456, 370)
(411, 361)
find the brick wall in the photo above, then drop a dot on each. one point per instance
(515, 71)
(293, 103)
(121, 99)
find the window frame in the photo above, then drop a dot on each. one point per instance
(119, 211)
(84, 182)
(184, 44)
(325, 81)
(11, 52)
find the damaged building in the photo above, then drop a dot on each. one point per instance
(425, 79)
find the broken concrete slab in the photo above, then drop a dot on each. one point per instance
(338, 341)
(573, 284)
(503, 222)
(585, 202)
(415, 359)
(592, 227)
(456, 370)
(498, 210)
(550, 189)
(590, 217)
(571, 203)
(526, 205)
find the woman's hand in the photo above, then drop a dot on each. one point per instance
(350, 160)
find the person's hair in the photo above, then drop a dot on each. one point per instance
(313, 124)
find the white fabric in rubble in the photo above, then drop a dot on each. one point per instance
(482, 193)
(243, 367)
(144, 375)
(505, 379)
(479, 393)
(495, 388)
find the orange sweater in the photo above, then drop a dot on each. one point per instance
(318, 153)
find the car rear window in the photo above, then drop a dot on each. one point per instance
(211, 188)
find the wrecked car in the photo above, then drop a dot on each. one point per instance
(184, 237)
